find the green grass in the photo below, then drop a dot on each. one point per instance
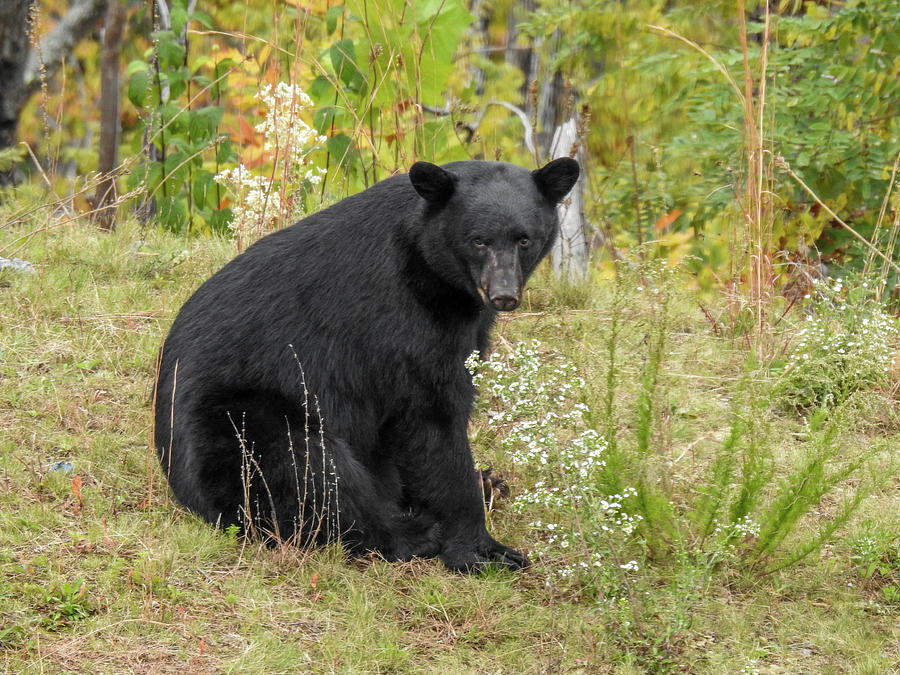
(113, 576)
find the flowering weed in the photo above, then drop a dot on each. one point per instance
(876, 557)
(598, 488)
(533, 400)
(264, 203)
(844, 346)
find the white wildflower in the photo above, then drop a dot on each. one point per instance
(258, 206)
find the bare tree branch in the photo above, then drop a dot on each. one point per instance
(59, 42)
(472, 128)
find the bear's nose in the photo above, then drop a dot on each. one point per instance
(505, 303)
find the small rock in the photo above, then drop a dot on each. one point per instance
(17, 265)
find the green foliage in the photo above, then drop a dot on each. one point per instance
(184, 144)
(876, 555)
(826, 465)
(605, 504)
(668, 125)
(654, 503)
(10, 157)
(66, 602)
(390, 58)
(398, 80)
(721, 473)
(832, 86)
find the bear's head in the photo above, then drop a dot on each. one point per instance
(486, 225)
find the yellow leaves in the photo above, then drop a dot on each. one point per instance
(314, 7)
(817, 11)
(676, 246)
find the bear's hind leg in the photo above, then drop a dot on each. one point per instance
(258, 461)
(371, 517)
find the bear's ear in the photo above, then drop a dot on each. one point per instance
(434, 184)
(557, 178)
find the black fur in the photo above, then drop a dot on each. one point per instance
(315, 387)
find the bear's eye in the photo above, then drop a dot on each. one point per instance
(524, 242)
(477, 242)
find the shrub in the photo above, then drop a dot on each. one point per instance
(534, 402)
(843, 347)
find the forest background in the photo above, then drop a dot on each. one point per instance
(691, 119)
(695, 412)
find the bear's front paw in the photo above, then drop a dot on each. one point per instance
(486, 553)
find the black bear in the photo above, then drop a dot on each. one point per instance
(315, 388)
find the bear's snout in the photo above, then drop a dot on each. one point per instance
(502, 281)
(505, 303)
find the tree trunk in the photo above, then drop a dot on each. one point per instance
(570, 253)
(56, 45)
(13, 54)
(546, 96)
(22, 69)
(524, 57)
(106, 194)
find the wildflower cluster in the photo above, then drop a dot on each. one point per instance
(844, 346)
(257, 207)
(520, 386)
(877, 560)
(731, 533)
(262, 203)
(607, 519)
(536, 405)
(285, 131)
(867, 550)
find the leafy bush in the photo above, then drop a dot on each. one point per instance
(66, 602)
(876, 556)
(184, 144)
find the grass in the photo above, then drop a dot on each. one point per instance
(100, 571)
